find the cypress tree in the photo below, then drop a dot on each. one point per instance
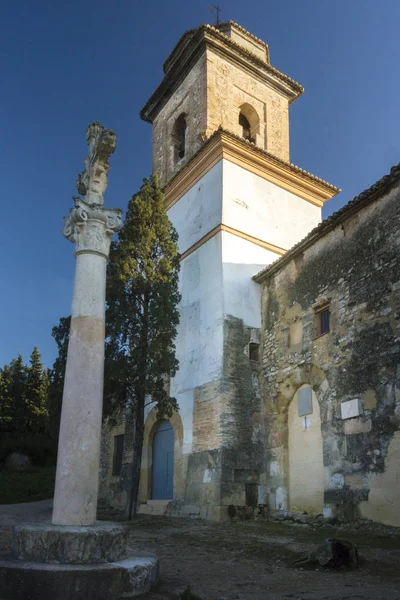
(142, 316)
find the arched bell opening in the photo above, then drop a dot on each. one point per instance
(179, 138)
(249, 122)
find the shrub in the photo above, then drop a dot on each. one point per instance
(41, 449)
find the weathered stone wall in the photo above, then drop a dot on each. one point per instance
(355, 269)
(190, 99)
(241, 424)
(111, 490)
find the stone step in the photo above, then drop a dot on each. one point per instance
(126, 578)
(154, 507)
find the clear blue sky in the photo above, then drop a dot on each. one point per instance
(67, 63)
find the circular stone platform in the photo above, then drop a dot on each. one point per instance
(62, 562)
(103, 542)
(111, 581)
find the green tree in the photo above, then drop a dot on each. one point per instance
(17, 390)
(142, 316)
(60, 334)
(6, 401)
(36, 390)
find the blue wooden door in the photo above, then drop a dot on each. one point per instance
(162, 484)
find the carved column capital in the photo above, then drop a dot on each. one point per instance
(91, 227)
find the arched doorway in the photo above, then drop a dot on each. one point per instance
(306, 464)
(162, 480)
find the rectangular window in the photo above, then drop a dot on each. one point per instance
(118, 454)
(254, 352)
(323, 321)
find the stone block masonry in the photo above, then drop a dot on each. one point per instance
(229, 88)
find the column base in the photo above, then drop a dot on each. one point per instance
(102, 542)
(75, 563)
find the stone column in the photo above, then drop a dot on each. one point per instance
(75, 500)
(90, 226)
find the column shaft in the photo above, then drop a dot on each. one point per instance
(77, 478)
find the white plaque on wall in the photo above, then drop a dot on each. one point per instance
(304, 401)
(350, 409)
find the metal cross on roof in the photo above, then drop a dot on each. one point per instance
(217, 10)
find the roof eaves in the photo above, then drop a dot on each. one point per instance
(185, 37)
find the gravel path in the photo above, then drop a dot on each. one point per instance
(248, 560)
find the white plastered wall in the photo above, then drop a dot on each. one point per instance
(199, 210)
(241, 260)
(199, 341)
(262, 209)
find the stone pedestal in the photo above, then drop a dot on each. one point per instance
(53, 562)
(101, 543)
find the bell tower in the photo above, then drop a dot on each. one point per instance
(221, 149)
(218, 77)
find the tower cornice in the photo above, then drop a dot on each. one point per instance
(225, 145)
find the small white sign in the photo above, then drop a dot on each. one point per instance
(350, 409)
(304, 401)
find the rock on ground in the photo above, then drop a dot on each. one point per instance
(18, 462)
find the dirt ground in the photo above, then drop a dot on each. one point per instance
(249, 560)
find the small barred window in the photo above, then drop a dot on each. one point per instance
(322, 321)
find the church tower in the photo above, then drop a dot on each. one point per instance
(221, 149)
